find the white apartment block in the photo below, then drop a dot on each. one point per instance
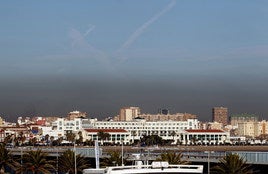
(48, 130)
(168, 130)
(62, 126)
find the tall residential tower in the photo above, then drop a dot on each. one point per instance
(220, 115)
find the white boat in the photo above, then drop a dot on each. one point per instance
(155, 168)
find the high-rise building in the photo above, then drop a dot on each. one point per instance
(220, 115)
(129, 113)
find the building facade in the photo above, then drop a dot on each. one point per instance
(76, 114)
(220, 115)
(241, 118)
(248, 129)
(117, 136)
(168, 130)
(168, 117)
(252, 129)
(263, 127)
(128, 113)
(204, 137)
(215, 125)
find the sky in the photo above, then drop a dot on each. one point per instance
(98, 56)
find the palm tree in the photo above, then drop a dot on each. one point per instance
(152, 140)
(80, 139)
(51, 139)
(173, 134)
(232, 164)
(114, 159)
(8, 139)
(67, 162)
(70, 137)
(59, 140)
(6, 159)
(46, 138)
(33, 141)
(103, 135)
(172, 158)
(36, 162)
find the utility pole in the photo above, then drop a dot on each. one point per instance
(75, 170)
(122, 152)
(208, 162)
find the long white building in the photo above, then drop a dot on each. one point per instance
(168, 130)
(184, 132)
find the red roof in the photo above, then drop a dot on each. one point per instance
(204, 130)
(106, 130)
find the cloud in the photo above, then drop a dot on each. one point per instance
(144, 26)
(91, 28)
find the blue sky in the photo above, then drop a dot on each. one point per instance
(179, 40)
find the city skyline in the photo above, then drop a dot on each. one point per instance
(98, 56)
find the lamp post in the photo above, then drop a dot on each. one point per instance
(122, 152)
(75, 171)
(57, 160)
(21, 159)
(208, 162)
(209, 152)
(97, 154)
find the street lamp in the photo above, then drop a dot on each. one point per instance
(57, 161)
(75, 172)
(122, 152)
(21, 159)
(209, 152)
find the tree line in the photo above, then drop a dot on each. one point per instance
(38, 162)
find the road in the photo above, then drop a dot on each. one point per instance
(187, 148)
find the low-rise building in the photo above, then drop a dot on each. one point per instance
(202, 137)
(215, 125)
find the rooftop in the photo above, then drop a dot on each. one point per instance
(105, 130)
(205, 131)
